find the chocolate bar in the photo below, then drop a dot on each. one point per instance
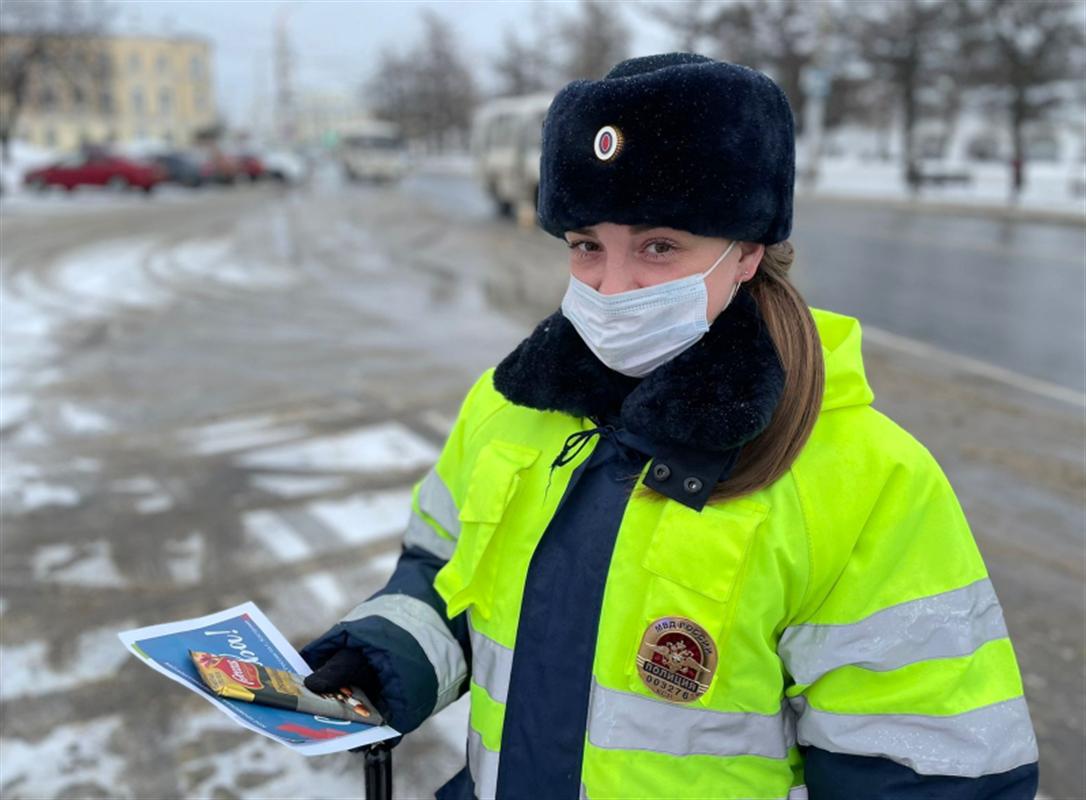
(235, 679)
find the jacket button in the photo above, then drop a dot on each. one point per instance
(661, 472)
(692, 485)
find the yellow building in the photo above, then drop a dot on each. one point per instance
(128, 88)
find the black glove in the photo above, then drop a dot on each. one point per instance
(382, 660)
(347, 668)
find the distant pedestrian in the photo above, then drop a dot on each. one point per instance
(669, 547)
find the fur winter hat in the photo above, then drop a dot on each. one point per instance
(677, 140)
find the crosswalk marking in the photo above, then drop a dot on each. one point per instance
(375, 448)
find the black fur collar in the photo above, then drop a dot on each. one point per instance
(713, 397)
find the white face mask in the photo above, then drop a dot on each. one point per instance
(634, 332)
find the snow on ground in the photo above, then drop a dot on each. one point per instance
(367, 450)
(91, 564)
(266, 768)
(271, 537)
(30, 496)
(92, 283)
(363, 517)
(238, 434)
(24, 157)
(326, 590)
(80, 420)
(1048, 186)
(291, 486)
(290, 535)
(69, 758)
(28, 671)
(301, 607)
(151, 496)
(24, 331)
(219, 261)
(105, 277)
(355, 520)
(14, 475)
(84, 564)
(185, 559)
(28, 320)
(13, 407)
(138, 484)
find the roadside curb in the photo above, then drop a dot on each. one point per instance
(1003, 213)
(931, 354)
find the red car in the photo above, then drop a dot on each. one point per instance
(96, 170)
(251, 166)
(219, 167)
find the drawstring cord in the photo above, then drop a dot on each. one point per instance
(572, 448)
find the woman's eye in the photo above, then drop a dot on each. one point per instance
(668, 247)
(589, 247)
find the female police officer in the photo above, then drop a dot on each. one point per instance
(669, 547)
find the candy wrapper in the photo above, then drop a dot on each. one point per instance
(234, 679)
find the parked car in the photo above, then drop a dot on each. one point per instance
(372, 150)
(220, 167)
(284, 166)
(250, 166)
(940, 172)
(506, 142)
(96, 169)
(180, 168)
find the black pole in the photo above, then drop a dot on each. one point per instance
(378, 761)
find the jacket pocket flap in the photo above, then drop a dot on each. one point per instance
(493, 480)
(704, 551)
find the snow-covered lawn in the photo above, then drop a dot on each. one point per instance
(1049, 187)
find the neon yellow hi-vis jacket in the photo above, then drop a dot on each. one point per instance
(846, 607)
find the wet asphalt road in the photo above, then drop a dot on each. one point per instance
(1012, 294)
(160, 443)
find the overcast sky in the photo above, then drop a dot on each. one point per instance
(335, 42)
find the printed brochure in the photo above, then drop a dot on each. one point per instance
(244, 633)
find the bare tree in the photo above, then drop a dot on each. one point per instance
(46, 45)
(389, 92)
(780, 37)
(447, 89)
(687, 19)
(596, 39)
(908, 44)
(429, 91)
(528, 63)
(1023, 50)
(523, 65)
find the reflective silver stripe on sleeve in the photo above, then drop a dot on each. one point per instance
(491, 664)
(621, 720)
(483, 766)
(420, 534)
(944, 625)
(436, 501)
(428, 629)
(798, 792)
(984, 741)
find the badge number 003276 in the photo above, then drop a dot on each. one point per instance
(677, 659)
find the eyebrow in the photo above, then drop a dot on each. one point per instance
(633, 228)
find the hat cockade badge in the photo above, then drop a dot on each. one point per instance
(608, 142)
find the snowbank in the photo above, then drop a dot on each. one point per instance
(24, 157)
(1050, 187)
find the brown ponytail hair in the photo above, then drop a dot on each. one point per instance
(792, 328)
